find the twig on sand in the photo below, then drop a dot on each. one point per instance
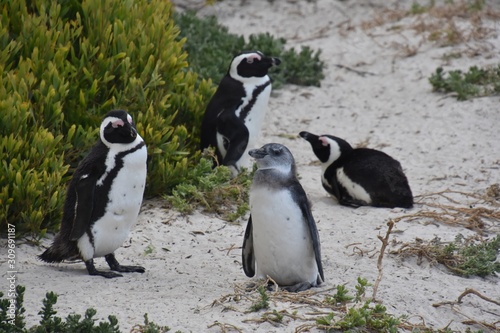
(224, 327)
(471, 321)
(361, 73)
(465, 293)
(385, 242)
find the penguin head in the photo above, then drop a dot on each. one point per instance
(327, 148)
(251, 64)
(274, 156)
(117, 128)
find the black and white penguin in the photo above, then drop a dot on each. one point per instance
(103, 198)
(361, 176)
(235, 114)
(281, 239)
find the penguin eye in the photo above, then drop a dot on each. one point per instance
(323, 141)
(250, 59)
(117, 123)
(276, 151)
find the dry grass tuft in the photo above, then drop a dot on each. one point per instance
(306, 302)
(479, 212)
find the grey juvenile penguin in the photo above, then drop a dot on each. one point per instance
(235, 114)
(103, 198)
(281, 240)
(361, 176)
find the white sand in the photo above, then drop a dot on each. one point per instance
(440, 142)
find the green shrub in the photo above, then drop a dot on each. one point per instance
(474, 258)
(210, 47)
(464, 257)
(215, 191)
(63, 65)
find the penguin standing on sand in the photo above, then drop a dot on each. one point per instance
(281, 240)
(103, 198)
(235, 114)
(362, 176)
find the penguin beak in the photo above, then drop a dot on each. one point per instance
(309, 136)
(257, 153)
(133, 132)
(275, 61)
(271, 61)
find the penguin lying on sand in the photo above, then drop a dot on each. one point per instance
(103, 198)
(362, 176)
(281, 240)
(235, 114)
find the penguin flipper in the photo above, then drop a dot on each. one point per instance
(234, 130)
(330, 182)
(306, 212)
(247, 253)
(84, 189)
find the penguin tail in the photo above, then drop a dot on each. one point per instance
(51, 255)
(59, 252)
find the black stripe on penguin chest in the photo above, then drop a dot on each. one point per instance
(255, 95)
(102, 192)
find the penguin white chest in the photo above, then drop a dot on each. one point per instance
(254, 119)
(124, 202)
(282, 240)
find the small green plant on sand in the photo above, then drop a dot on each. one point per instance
(476, 82)
(368, 317)
(150, 327)
(340, 297)
(417, 8)
(12, 318)
(262, 302)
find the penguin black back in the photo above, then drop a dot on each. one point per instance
(361, 176)
(64, 247)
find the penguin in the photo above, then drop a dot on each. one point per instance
(103, 198)
(281, 239)
(361, 176)
(235, 114)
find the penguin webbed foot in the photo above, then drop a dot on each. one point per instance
(352, 202)
(115, 266)
(251, 286)
(93, 271)
(301, 286)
